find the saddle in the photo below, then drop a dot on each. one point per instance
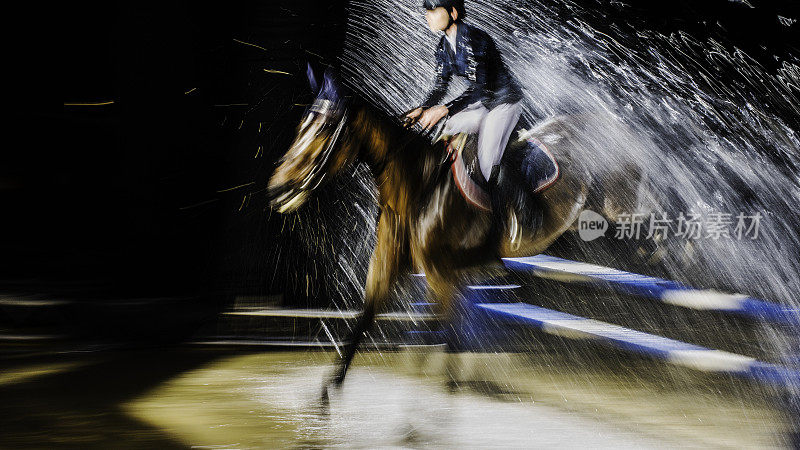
(526, 169)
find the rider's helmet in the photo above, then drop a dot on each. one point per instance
(447, 4)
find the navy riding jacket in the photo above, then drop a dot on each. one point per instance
(477, 59)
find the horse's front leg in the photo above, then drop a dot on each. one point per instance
(445, 288)
(384, 269)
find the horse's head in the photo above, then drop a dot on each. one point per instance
(320, 149)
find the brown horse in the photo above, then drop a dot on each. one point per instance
(424, 223)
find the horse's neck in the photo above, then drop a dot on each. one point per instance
(374, 137)
(401, 163)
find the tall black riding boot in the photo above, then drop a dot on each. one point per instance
(498, 209)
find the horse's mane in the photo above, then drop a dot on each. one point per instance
(407, 151)
(406, 139)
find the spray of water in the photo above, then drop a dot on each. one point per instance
(713, 131)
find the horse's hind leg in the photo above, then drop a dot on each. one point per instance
(384, 269)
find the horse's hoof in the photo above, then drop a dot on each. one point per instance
(451, 386)
(324, 399)
(335, 383)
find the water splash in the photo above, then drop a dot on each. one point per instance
(713, 130)
(711, 127)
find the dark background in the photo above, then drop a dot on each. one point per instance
(133, 199)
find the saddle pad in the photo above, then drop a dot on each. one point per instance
(470, 190)
(539, 166)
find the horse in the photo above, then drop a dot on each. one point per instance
(424, 223)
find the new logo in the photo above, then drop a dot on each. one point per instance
(591, 225)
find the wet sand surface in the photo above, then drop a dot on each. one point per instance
(217, 398)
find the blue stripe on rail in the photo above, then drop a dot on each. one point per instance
(675, 352)
(659, 289)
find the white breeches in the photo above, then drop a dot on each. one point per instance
(494, 128)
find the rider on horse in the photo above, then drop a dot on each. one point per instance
(490, 106)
